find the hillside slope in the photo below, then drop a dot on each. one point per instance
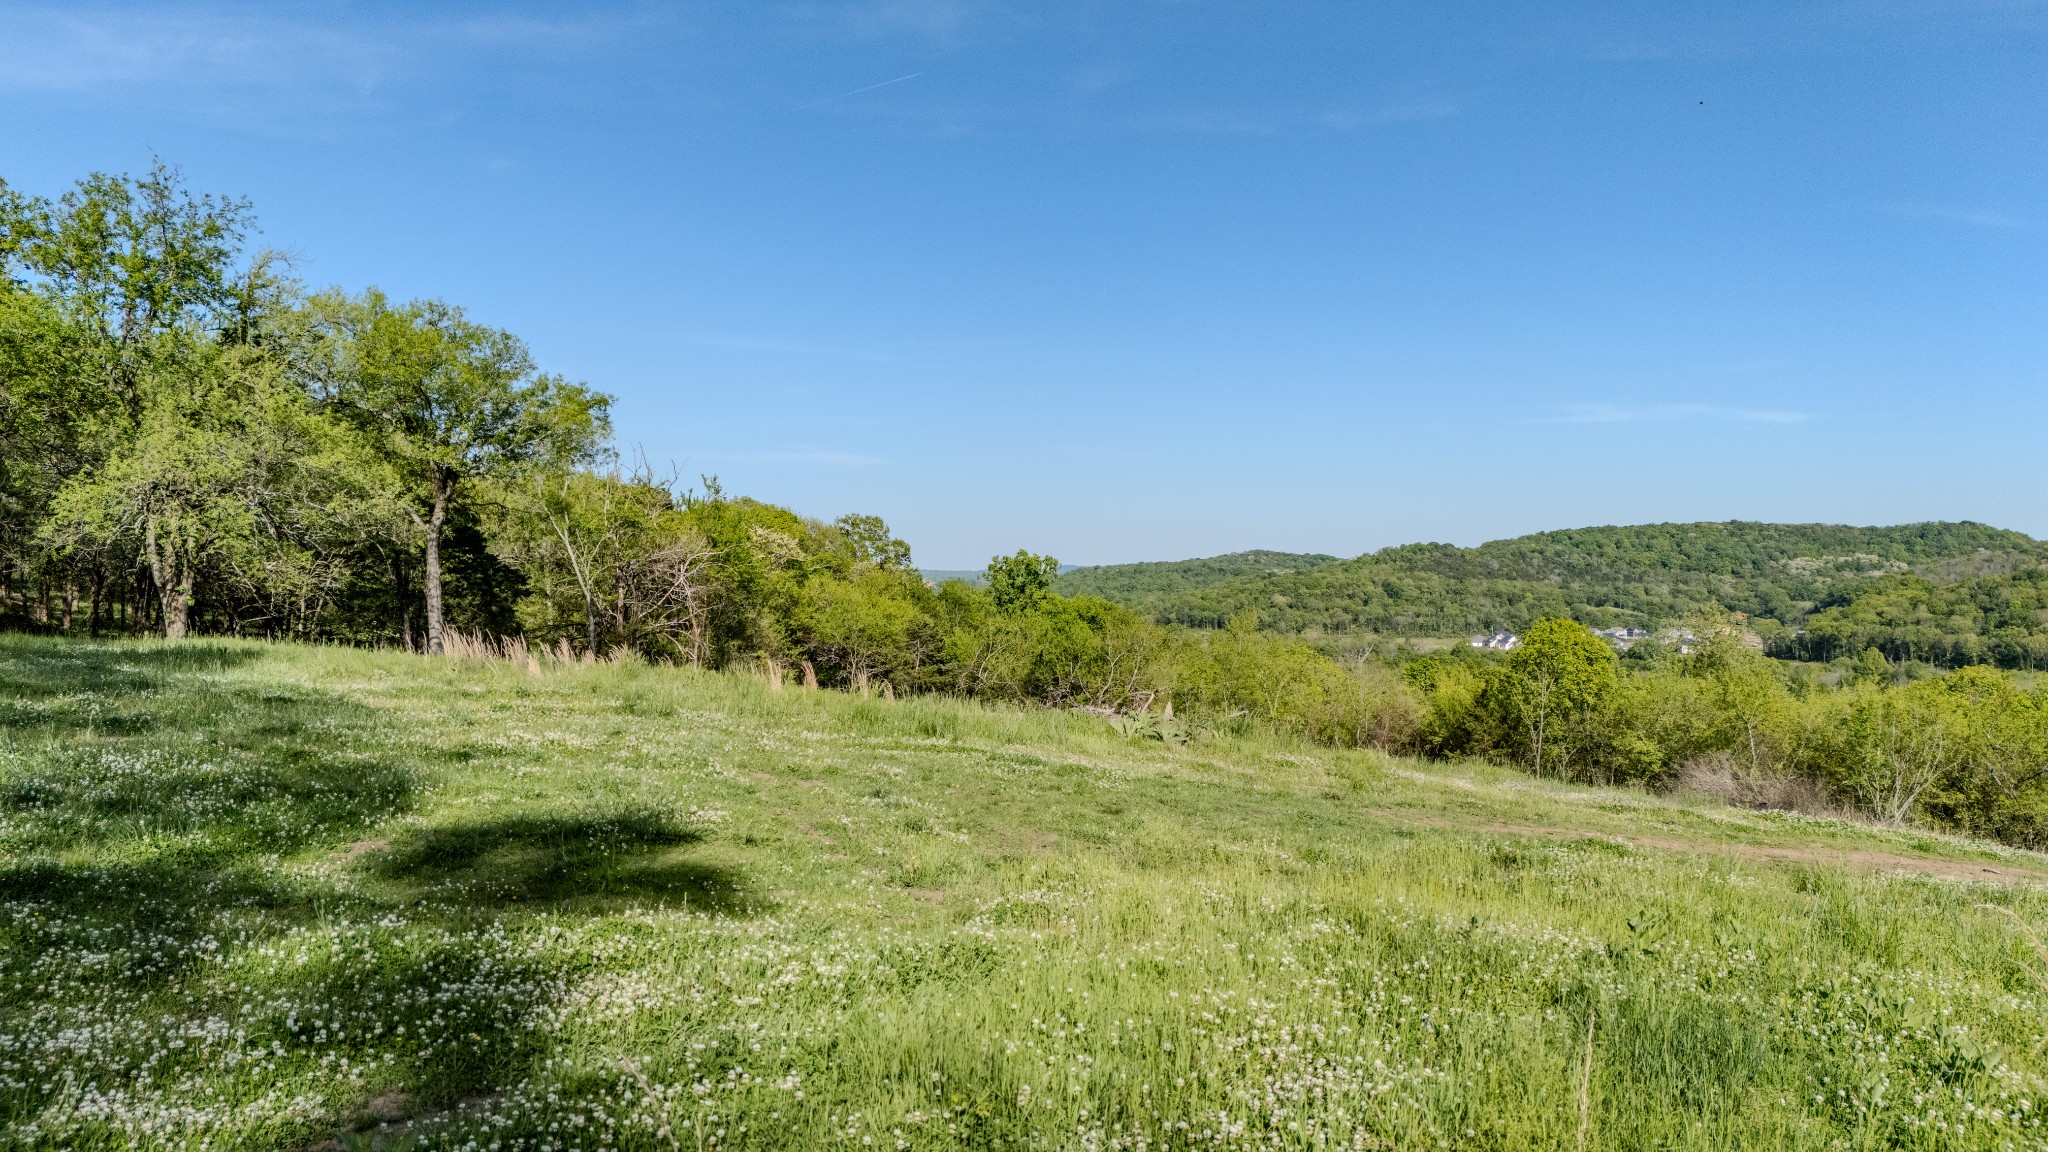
(271, 897)
(1149, 585)
(1646, 574)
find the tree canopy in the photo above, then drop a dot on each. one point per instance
(449, 401)
(1777, 575)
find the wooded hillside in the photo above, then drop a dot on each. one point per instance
(1150, 586)
(1649, 574)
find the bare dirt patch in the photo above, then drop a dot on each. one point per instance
(388, 1108)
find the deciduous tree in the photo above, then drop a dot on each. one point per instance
(449, 399)
(1550, 689)
(1020, 582)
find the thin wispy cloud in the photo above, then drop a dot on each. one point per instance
(827, 100)
(1390, 114)
(74, 49)
(1670, 414)
(1968, 217)
(215, 51)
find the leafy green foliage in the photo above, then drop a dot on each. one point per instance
(1966, 751)
(1021, 582)
(449, 402)
(226, 470)
(1146, 587)
(132, 258)
(869, 542)
(1646, 575)
(876, 624)
(1986, 619)
(1149, 726)
(444, 394)
(1552, 692)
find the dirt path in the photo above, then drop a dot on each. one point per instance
(1860, 859)
(1856, 859)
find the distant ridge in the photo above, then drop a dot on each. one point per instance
(1640, 574)
(1149, 586)
(974, 576)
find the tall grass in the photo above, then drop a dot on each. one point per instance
(263, 896)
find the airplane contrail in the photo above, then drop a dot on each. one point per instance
(828, 100)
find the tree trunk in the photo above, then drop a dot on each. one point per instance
(173, 579)
(403, 599)
(70, 600)
(444, 486)
(178, 609)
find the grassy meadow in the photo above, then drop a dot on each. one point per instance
(259, 897)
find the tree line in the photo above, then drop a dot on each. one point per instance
(1965, 750)
(192, 442)
(1778, 575)
(1999, 619)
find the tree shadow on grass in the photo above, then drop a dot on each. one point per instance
(589, 860)
(88, 931)
(104, 688)
(149, 818)
(101, 755)
(141, 813)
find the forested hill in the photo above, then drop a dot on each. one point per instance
(1151, 586)
(1645, 574)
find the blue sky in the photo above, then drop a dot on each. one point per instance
(1124, 281)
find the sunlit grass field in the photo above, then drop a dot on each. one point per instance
(283, 897)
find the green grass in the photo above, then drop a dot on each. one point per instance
(278, 897)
